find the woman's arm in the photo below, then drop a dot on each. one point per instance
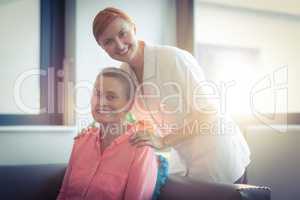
(142, 175)
(202, 112)
(148, 138)
(63, 189)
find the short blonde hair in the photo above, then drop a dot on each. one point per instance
(123, 76)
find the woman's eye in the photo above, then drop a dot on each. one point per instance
(122, 34)
(111, 97)
(98, 93)
(108, 42)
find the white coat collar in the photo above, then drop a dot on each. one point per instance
(150, 63)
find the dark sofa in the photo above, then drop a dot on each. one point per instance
(42, 182)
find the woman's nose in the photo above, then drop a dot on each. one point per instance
(103, 101)
(119, 43)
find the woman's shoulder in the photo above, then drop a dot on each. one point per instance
(83, 139)
(172, 58)
(86, 133)
(167, 49)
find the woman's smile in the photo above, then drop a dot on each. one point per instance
(104, 110)
(123, 51)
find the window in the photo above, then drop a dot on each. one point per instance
(255, 51)
(33, 38)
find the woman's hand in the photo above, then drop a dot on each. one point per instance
(147, 138)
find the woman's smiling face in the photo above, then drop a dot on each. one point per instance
(109, 101)
(119, 40)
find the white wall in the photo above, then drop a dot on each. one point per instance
(35, 145)
(288, 6)
(19, 52)
(155, 21)
(274, 36)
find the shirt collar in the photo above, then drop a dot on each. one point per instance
(123, 137)
(150, 66)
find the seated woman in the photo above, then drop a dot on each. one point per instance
(103, 164)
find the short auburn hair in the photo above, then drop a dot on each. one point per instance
(105, 17)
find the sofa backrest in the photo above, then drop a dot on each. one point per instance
(42, 182)
(31, 182)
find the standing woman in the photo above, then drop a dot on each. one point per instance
(173, 94)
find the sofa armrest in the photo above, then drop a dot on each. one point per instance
(249, 192)
(178, 187)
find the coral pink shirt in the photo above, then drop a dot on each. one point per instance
(122, 171)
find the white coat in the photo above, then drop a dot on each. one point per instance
(175, 93)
